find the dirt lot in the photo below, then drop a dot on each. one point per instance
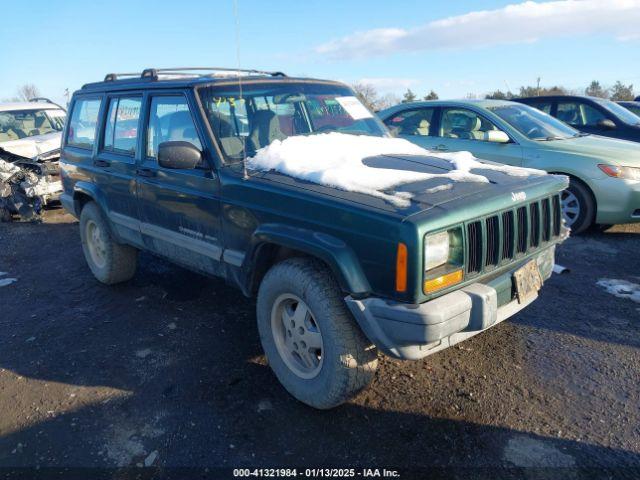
(168, 369)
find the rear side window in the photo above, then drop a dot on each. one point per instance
(121, 129)
(543, 106)
(413, 122)
(83, 123)
(170, 120)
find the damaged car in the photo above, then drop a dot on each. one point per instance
(30, 134)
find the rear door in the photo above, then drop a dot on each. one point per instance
(115, 162)
(417, 125)
(179, 209)
(461, 129)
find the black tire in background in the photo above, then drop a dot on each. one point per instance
(116, 262)
(5, 215)
(347, 361)
(578, 206)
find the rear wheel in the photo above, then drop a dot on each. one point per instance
(578, 207)
(109, 261)
(311, 340)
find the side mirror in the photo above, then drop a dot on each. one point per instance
(606, 124)
(178, 155)
(497, 136)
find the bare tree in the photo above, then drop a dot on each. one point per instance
(499, 95)
(620, 92)
(537, 91)
(367, 94)
(386, 101)
(27, 91)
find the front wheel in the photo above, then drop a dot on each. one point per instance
(311, 340)
(578, 207)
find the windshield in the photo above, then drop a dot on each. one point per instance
(533, 123)
(17, 124)
(269, 111)
(619, 111)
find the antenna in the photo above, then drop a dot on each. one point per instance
(244, 140)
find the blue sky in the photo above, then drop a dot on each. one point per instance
(451, 47)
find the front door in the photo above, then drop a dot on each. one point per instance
(584, 117)
(179, 209)
(461, 130)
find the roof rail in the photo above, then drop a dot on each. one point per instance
(155, 73)
(45, 100)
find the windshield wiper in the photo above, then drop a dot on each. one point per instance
(548, 139)
(582, 134)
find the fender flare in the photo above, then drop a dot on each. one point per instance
(340, 258)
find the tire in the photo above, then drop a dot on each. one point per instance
(345, 362)
(109, 261)
(5, 215)
(578, 207)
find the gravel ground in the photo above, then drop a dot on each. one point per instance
(166, 370)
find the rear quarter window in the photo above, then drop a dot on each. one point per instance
(83, 123)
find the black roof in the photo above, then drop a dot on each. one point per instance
(185, 77)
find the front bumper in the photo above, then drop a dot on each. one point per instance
(618, 201)
(411, 332)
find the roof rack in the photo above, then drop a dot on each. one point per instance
(45, 100)
(155, 73)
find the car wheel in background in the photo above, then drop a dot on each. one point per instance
(5, 215)
(310, 338)
(110, 262)
(578, 207)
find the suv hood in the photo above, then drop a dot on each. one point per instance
(620, 151)
(427, 194)
(31, 147)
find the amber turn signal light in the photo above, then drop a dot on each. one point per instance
(443, 281)
(401, 268)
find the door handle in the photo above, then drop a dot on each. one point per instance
(146, 172)
(441, 148)
(102, 163)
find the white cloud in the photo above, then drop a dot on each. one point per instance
(516, 23)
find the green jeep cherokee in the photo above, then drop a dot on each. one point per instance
(161, 162)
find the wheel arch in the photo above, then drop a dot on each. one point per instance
(273, 243)
(583, 182)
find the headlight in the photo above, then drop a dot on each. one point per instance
(443, 260)
(436, 250)
(628, 173)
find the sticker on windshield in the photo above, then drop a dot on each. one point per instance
(354, 108)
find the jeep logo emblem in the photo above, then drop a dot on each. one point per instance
(518, 196)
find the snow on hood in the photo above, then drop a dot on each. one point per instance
(31, 147)
(336, 160)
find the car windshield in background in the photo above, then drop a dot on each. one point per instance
(17, 124)
(533, 123)
(619, 111)
(266, 112)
